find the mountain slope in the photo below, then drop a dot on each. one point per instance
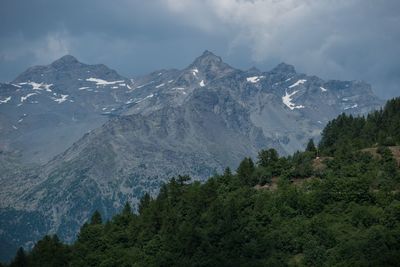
(193, 121)
(46, 108)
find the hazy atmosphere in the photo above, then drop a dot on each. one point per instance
(199, 133)
(351, 39)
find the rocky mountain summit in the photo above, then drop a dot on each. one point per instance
(100, 139)
(46, 108)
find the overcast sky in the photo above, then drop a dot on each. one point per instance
(341, 39)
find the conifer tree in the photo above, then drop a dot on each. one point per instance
(96, 218)
(144, 202)
(182, 179)
(127, 209)
(267, 157)
(227, 172)
(20, 259)
(245, 172)
(311, 146)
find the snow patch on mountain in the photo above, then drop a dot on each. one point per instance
(202, 83)
(254, 79)
(23, 98)
(61, 99)
(287, 100)
(46, 86)
(302, 81)
(143, 85)
(5, 100)
(38, 86)
(103, 82)
(350, 107)
(160, 85)
(147, 97)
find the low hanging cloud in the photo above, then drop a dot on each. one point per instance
(342, 39)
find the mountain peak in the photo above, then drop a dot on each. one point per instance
(284, 68)
(208, 53)
(211, 65)
(207, 58)
(66, 60)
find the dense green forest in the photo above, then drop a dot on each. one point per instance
(337, 204)
(381, 127)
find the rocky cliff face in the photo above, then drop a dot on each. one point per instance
(46, 108)
(125, 137)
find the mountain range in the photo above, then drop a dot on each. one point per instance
(76, 138)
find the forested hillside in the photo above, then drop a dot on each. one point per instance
(332, 205)
(381, 127)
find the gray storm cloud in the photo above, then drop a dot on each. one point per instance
(352, 39)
